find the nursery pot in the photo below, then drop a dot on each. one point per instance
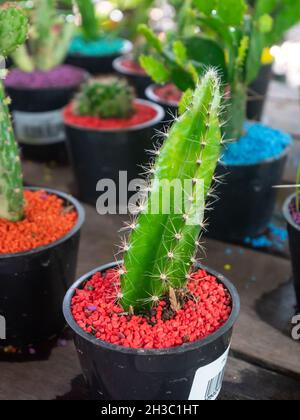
(171, 108)
(257, 93)
(192, 371)
(294, 239)
(98, 154)
(97, 64)
(139, 81)
(33, 285)
(38, 122)
(247, 198)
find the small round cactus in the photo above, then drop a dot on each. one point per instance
(105, 98)
(13, 29)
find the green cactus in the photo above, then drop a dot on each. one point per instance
(89, 22)
(13, 29)
(105, 98)
(49, 38)
(162, 247)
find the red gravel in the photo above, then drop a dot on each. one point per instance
(143, 113)
(95, 310)
(168, 93)
(46, 220)
(133, 67)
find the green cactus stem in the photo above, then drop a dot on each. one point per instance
(49, 38)
(89, 21)
(105, 98)
(162, 247)
(13, 29)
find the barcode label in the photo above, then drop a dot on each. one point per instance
(39, 128)
(214, 386)
(209, 379)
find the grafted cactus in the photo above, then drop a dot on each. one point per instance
(162, 247)
(105, 98)
(13, 28)
(49, 38)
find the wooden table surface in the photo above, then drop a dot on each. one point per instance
(264, 362)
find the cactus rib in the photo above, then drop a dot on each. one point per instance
(161, 248)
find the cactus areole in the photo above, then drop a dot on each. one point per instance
(13, 28)
(161, 250)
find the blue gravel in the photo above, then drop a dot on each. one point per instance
(98, 48)
(277, 238)
(260, 143)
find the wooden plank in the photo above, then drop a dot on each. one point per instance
(244, 381)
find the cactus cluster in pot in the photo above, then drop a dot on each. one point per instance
(13, 32)
(107, 97)
(233, 36)
(162, 246)
(49, 37)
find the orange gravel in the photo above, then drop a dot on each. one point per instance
(46, 220)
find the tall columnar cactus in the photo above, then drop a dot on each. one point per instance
(89, 21)
(49, 38)
(105, 98)
(13, 29)
(162, 245)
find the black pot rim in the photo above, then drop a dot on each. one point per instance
(80, 220)
(126, 49)
(151, 352)
(117, 66)
(287, 213)
(150, 94)
(160, 114)
(85, 77)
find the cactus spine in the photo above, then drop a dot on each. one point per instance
(161, 249)
(105, 98)
(13, 29)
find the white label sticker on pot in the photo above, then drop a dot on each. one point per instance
(208, 380)
(37, 128)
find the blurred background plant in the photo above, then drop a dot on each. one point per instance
(49, 36)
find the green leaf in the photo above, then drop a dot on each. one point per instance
(206, 52)
(151, 38)
(205, 6)
(156, 70)
(284, 19)
(180, 52)
(231, 11)
(182, 78)
(263, 7)
(265, 24)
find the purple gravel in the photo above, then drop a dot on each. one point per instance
(295, 215)
(61, 76)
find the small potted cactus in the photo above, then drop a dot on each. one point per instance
(40, 86)
(108, 131)
(291, 212)
(158, 326)
(232, 38)
(90, 49)
(40, 229)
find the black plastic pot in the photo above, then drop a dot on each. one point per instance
(247, 199)
(38, 122)
(139, 81)
(192, 371)
(171, 108)
(294, 239)
(97, 64)
(103, 154)
(257, 93)
(33, 285)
